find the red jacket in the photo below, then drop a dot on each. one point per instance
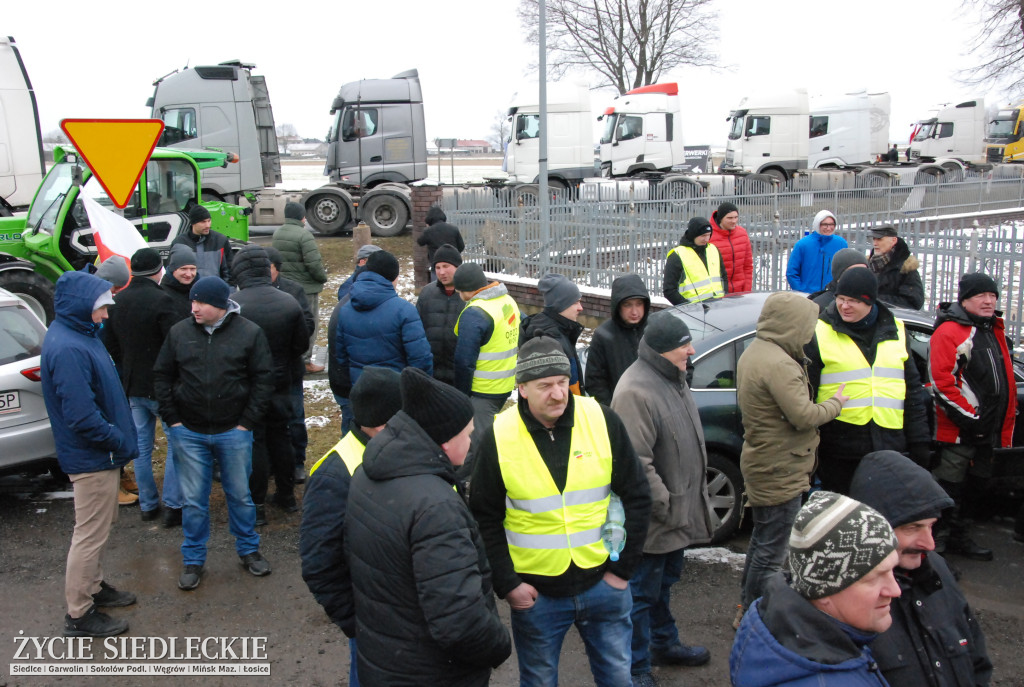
(968, 397)
(737, 255)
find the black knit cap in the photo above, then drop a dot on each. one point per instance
(212, 291)
(859, 284)
(198, 214)
(440, 409)
(376, 396)
(448, 253)
(541, 356)
(723, 210)
(294, 211)
(383, 263)
(470, 277)
(274, 255)
(146, 262)
(975, 283)
(666, 332)
(697, 227)
(844, 259)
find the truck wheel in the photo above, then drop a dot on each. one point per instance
(725, 492)
(776, 174)
(326, 213)
(385, 215)
(952, 173)
(35, 290)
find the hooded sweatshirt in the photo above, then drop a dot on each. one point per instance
(810, 263)
(89, 413)
(613, 347)
(780, 421)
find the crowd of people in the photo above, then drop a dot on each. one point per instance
(439, 498)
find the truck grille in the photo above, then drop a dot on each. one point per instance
(995, 155)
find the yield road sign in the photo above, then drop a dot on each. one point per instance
(116, 150)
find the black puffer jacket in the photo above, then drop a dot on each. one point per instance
(848, 441)
(142, 315)
(179, 295)
(614, 345)
(438, 233)
(276, 313)
(934, 638)
(439, 312)
(425, 612)
(214, 382)
(549, 322)
(899, 282)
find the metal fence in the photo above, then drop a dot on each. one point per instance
(952, 227)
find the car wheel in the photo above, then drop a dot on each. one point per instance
(725, 492)
(34, 289)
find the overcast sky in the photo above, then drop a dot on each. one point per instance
(99, 60)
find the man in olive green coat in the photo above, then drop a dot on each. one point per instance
(659, 412)
(780, 431)
(302, 264)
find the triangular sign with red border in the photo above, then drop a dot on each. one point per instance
(116, 150)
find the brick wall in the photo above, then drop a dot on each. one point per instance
(423, 196)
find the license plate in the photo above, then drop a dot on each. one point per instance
(10, 401)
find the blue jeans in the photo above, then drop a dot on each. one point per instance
(600, 614)
(346, 413)
(653, 624)
(194, 453)
(144, 414)
(769, 543)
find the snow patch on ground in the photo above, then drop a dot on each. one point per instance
(315, 390)
(318, 421)
(717, 554)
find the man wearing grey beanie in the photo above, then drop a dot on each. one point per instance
(558, 319)
(816, 629)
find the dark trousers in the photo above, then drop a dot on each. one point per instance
(272, 451)
(297, 423)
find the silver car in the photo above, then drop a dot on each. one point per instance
(26, 440)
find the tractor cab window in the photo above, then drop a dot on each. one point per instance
(179, 125)
(42, 215)
(527, 126)
(358, 123)
(170, 186)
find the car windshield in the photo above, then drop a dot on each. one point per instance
(21, 334)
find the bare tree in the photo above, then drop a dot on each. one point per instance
(629, 43)
(1000, 44)
(287, 129)
(55, 136)
(499, 131)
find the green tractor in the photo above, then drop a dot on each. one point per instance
(55, 236)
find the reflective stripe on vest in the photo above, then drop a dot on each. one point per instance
(496, 364)
(547, 530)
(877, 392)
(349, 449)
(699, 282)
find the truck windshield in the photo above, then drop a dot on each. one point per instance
(608, 135)
(43, 214)
(1004, 125)
(925, 132)
(736, 130)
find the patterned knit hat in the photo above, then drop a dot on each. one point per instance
(541, 356)
(836, 541)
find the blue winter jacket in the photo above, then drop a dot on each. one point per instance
(785, 641)
(377, 327)
(810, 264)
(89, 413)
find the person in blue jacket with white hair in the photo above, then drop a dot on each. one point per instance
(810, 262)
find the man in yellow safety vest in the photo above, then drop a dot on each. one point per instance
(545, 472)
(694, 270)
(860, 343)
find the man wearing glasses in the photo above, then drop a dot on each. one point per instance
(810, 262)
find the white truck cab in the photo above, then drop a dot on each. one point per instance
(643, 131)
(768, 135)
(955, 131)
(21, 153)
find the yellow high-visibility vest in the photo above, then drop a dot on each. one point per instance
(699, 282)
(496, 365)
(546, 530)
(349, 449)
(876, 392)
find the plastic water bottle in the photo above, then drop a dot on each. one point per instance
(613, 532)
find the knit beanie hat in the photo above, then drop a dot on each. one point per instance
(383, 263)
(470, 277)
(666, 331)
(434, 215)
(294, 210)
(376, 396)
(697, 226)
(972, 285)
(146, 262)
(115, 270)
(835, 541)
(559, 293)
(919, 496)
(859, 284)
(212, 291)
(447, 253)
(181, 255)
(846, 258)
(274, 256)
(366, 250)
(541, 356)
(440, 409)
(723, 210)
(198, 214)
